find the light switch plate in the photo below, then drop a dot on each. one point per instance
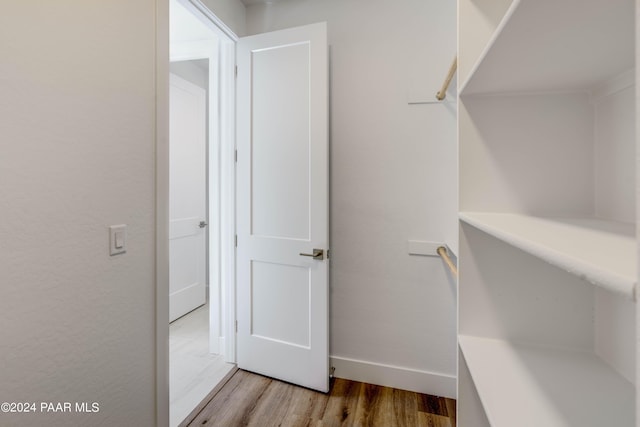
(117, 239)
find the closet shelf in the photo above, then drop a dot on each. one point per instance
(522, 385)
(552, 45)
(601, 252)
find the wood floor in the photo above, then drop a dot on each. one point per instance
(252, 400)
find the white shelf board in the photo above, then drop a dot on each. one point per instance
(551, 45)
(602, 252)
(528, 386)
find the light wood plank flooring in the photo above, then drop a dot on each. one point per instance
(253, 400)
(193, 371)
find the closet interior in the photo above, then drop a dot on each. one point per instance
(547, 198)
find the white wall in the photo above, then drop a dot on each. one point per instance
(77, 104)
(614, 156)
(231, 12)
(510, 158)
(393, 169)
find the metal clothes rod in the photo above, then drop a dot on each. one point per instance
(442, 251)
(443, 91)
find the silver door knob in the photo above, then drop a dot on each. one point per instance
(317, 254)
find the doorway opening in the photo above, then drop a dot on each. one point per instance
(283, 301)
(201, 206)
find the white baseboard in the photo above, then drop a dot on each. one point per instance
(394, 376)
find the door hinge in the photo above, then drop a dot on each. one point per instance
(236, 72)
(236, 156)
(327, 253)
(236, 326)
(236, 240)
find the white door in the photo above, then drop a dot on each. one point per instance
(282, 201)
(187, 197)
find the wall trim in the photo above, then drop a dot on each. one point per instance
(213, 18)
(433, 383)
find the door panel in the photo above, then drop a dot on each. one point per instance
(187, 197)
(282, 289)
(282, 204)
(280, 139)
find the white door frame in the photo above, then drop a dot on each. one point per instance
(162, 213)
(226, 180)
